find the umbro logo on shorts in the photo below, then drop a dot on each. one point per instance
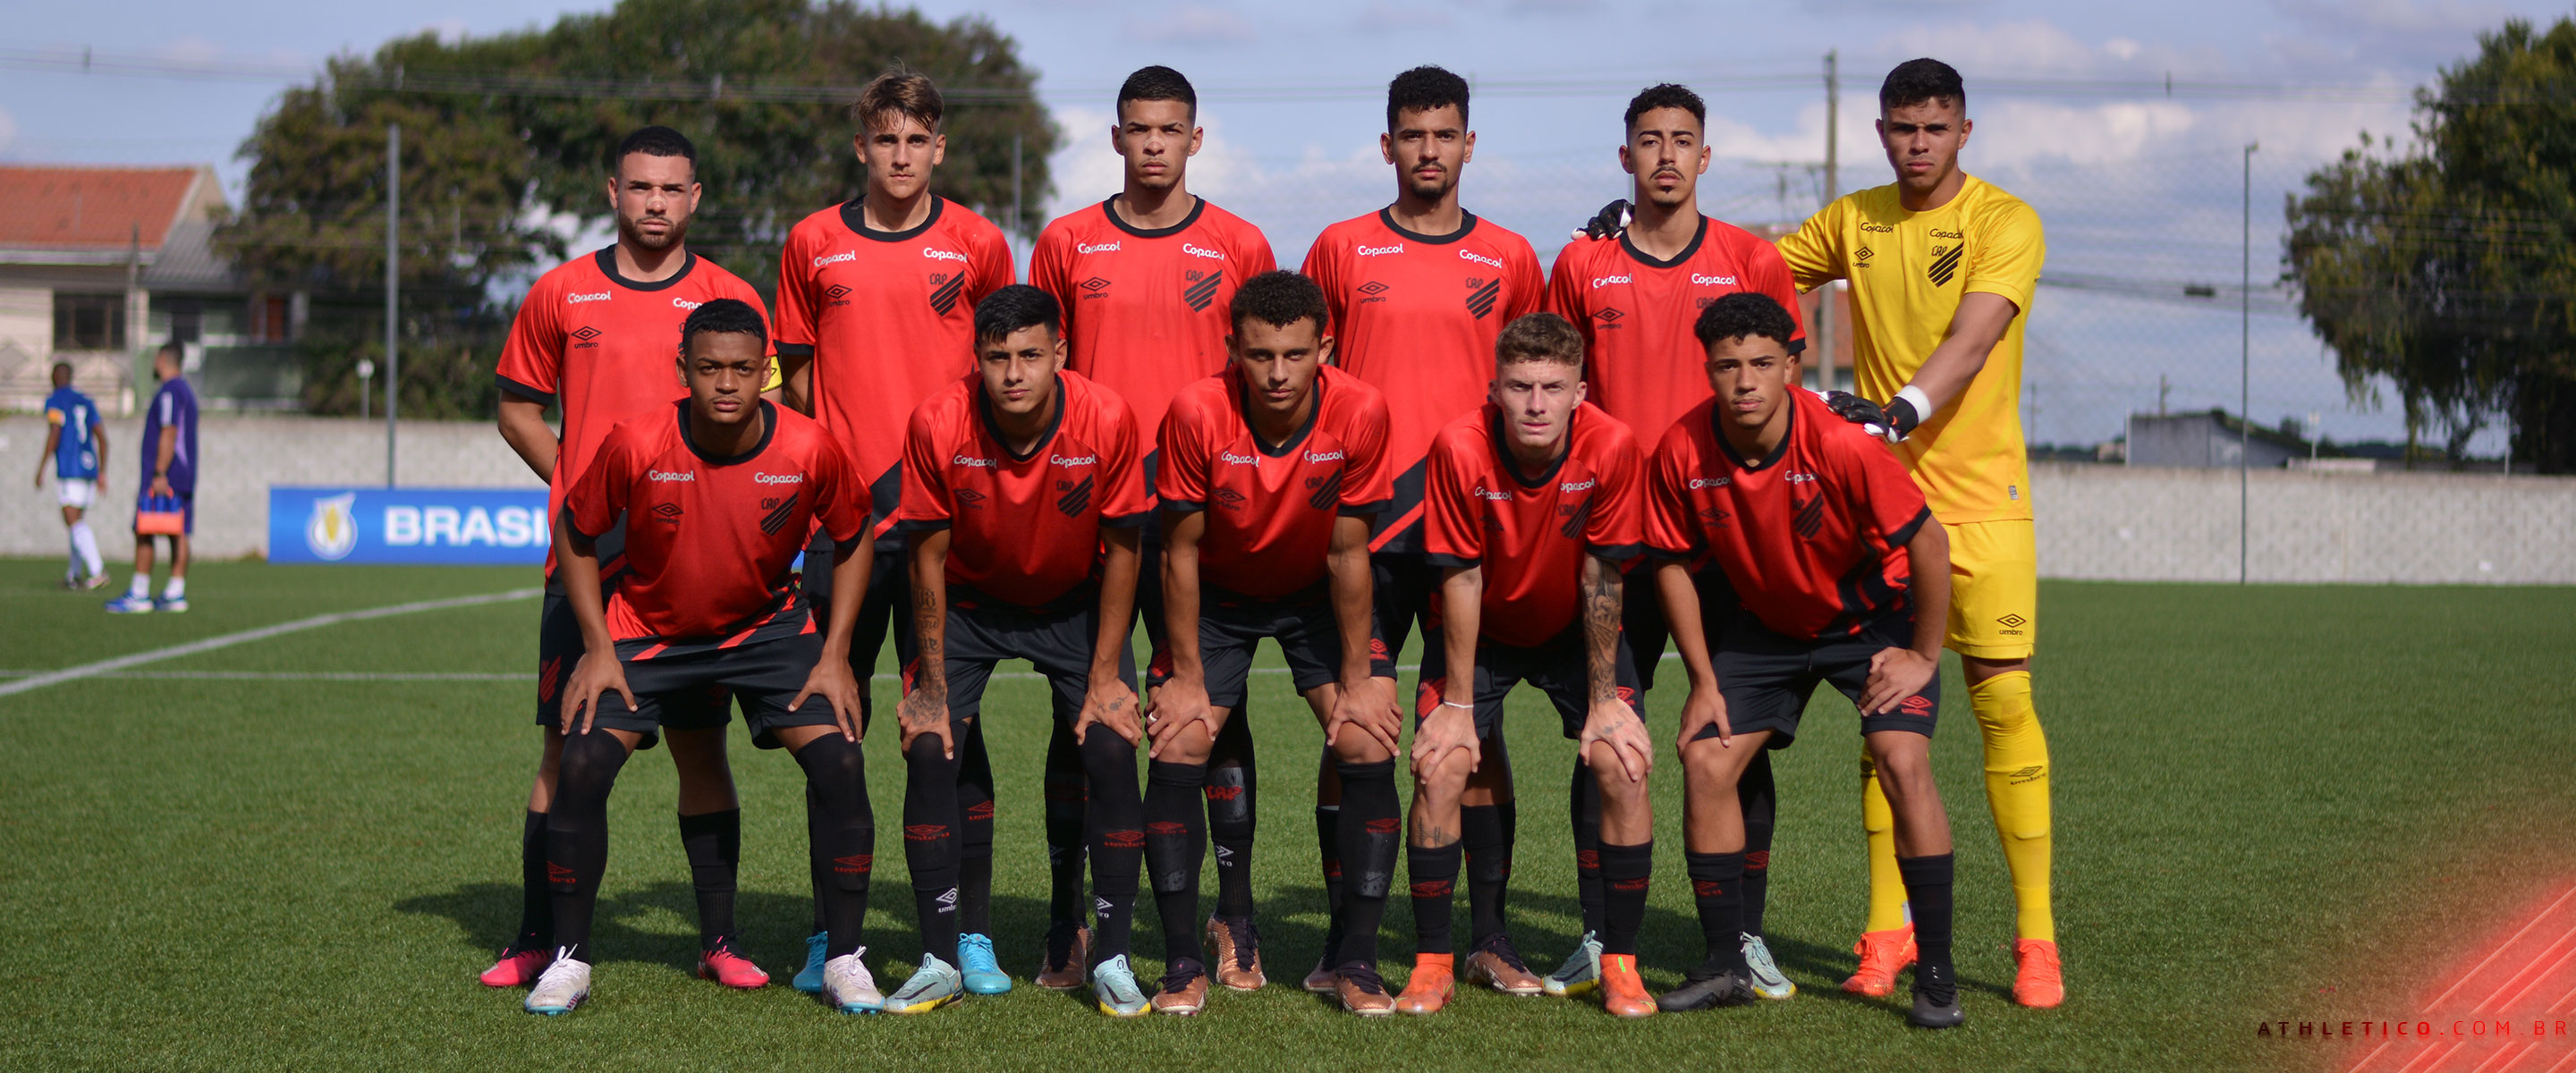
(1917, 705)
(2012, 623)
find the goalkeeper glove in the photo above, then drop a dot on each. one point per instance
(1612, 221)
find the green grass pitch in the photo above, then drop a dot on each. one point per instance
(2271, 803)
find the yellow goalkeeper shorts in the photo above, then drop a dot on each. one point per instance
(1994, 589)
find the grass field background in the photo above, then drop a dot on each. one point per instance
(2272, 803)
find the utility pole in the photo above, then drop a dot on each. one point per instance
(393, 288)
(2245, 374)
(1824, 327)
(1015, 183)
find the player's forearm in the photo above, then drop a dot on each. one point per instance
(930, 614)
(1354, 594)
(54, 442)
(1181, 606)
(1603, 590)
(1954, 364)
(578, 558)
(850, 564)
(99, 437)
(1681, 610)
(796, 382)
(167, 450)
(1462, 607)
(1928, 555)
(523, 427)
(1118, 569)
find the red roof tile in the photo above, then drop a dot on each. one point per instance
(85, 207)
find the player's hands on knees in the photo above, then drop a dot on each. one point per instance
(921, 713)
(1704, 708)
(1613, 723)
(1895, 674)
(597, 675)
(1112, 703)
(1367, 706)
(1447, 728)
(1180, 702)
(832, 681)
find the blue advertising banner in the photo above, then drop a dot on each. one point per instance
(418, 526)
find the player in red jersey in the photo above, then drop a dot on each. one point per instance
(1144, 280)
(1419, 291)
(594, 336)
(1022, 495)
(716, 494)
(1619, 288)
(1273, 469)
(1842, 577)
(876, 308)
(1532, 506)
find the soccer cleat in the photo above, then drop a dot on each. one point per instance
(564, 985)
(1622, 993)
(1185, 989)
(130, 605)
(810, 978)
(94, 581)
(1706, 990)
(2037, 983)
(984, 975)
(171, 604)
(849, 986)
(1324, 980)
(934, 985)
(1362, 991)
(1234, 948)
(1883, 954)
(1496, 964)
(517, 966)
(1113, 982)
(1936, 998)
(1433, 984)
(1581, 971)
(727, 966)
(1068, 946)
(1767, 979)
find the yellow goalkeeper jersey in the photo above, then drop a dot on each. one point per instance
(1908, 271)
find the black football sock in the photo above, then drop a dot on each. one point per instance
(1116, 825)
(975, 845)
(713, 843)
(1231, 789)
(836, 776)
(1484, 833)
(1328, 839)
(1760, 798)
(1717, 887)
(930, 822)
(816, 835)
(1625, 873)
(1927, 889)
(1585, 808)
(536, 898)
(1375, 830)
(1066, 792)
(1175, 848)
(1434, 874)
(577, 835)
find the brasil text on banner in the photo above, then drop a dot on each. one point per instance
(420, 526)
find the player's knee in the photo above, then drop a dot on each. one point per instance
(1106, 756)
(1357, 747)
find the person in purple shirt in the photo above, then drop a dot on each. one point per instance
(169, 451)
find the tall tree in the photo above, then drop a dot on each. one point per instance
(2448, 264)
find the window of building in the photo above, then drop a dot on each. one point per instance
(89, 321)
(269, 318)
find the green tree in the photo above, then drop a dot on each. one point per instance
(2448, 264)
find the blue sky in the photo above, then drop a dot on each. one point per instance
(2138, 189)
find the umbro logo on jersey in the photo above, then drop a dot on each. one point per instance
(945, 289)
(1327, 490)
(1202, 291)
(1863, 255)
(669, 512)
(1075, 499)
(1704, 301)
(1375, 291)
(1228, 498)
(836, 292)
(1608, 316)
(1095, 284)
(1945, 264)
(588, 335)
(969, 499)
(771, 522)
(1481, 300)
(1714, 516)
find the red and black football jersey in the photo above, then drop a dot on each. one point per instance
(1026, 528)
(1145, 310)
(1636, 314)
(710, 539)
(1270, 509)
(1416, 316)
(1531, 535)
(607, 348)
(889, 317)
(1812, 537)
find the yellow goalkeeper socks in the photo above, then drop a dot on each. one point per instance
(2017, 793)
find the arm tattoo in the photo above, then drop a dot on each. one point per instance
(1601, 604)
(929, 620)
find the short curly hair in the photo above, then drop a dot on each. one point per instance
(1742, 315)
(1279, 299)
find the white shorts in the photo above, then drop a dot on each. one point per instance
(75, 492)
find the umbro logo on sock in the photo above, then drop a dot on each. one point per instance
(858, 865)
(1386, 826)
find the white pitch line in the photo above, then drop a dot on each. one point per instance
(436, 676)
(87, 670)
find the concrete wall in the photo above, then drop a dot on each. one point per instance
(2131, 523)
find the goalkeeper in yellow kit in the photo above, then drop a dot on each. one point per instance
(1941, 268)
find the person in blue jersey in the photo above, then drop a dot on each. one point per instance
(169, 450)
(76, 450)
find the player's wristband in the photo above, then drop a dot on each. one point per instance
(1454, 704)
(1908, 409)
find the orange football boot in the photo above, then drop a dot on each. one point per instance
(1622, 993)
(2037, 983)
(1433, 984)
(1883, 954)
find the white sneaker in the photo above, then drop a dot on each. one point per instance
(848, 985)
(1768, 981)
(565, 984)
